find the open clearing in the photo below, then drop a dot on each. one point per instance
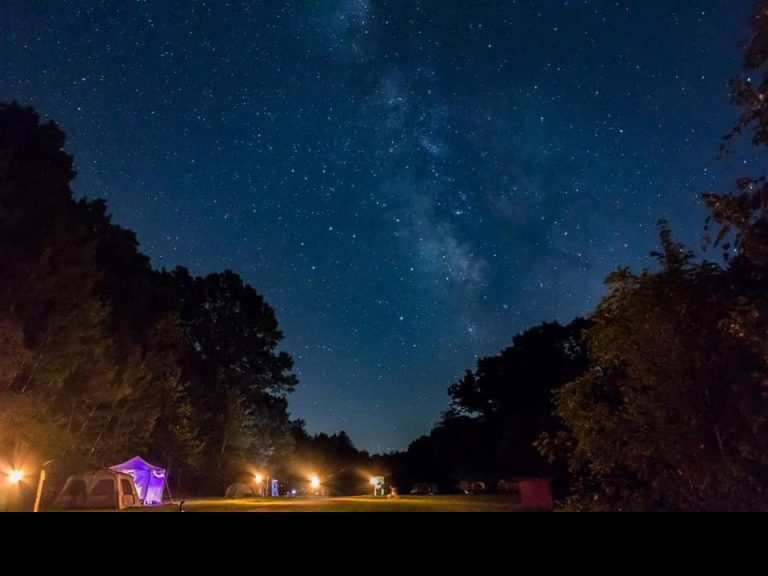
(358, 504)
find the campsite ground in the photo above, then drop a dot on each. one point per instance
(359, 504)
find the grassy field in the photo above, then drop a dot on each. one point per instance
(360, 504)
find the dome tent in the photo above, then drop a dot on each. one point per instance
(149, 479)
(239, 490)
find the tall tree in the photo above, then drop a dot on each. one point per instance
(103, 357)
(236, 372)
(674, 415)
(154, 417)
(52, 315)
(743, 214)
(512, 392)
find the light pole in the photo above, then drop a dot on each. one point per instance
(40, 484)
(314, 483)
(39, 495)
(14, 478)
(378, 485)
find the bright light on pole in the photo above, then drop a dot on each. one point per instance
(261, 489)
(314, 481)
(378, 485)
(15, 476)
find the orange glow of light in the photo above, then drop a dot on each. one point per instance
(314, 481)
(15, 476)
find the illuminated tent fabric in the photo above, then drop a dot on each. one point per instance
(149, 479)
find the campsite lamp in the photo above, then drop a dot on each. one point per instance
(378, 485)
(15, 476)
(314, 481)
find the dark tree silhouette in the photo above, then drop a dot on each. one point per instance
(512, 392)
(103, 357)
(238, 380)
(743, 214)
(56, 360)
(673, 416)
(498, 412)
(342, 468)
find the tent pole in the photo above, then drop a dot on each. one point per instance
(168, 488)
(39, 495)
(165, 480)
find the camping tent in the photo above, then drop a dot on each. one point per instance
(424, 489)
(100, 490)
(239, 490)
(149, 479)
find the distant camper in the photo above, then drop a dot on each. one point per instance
(469, 487)
(425, 489)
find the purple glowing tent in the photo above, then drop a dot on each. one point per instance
(149, 480)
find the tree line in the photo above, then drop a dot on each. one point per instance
(657, 401)
(102, 356)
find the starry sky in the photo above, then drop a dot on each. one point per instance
(409, 182)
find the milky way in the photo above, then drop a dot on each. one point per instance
(410, 183)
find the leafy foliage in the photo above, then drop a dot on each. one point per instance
(743, 214)
(103, 357)
(673, 416)
(498, 412)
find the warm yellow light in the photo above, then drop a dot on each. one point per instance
(315, 482)
(259, 478)
(15, 476)
(374, 481)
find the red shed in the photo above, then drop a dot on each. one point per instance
(536, 494)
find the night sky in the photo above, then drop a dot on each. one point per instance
(409, 182)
